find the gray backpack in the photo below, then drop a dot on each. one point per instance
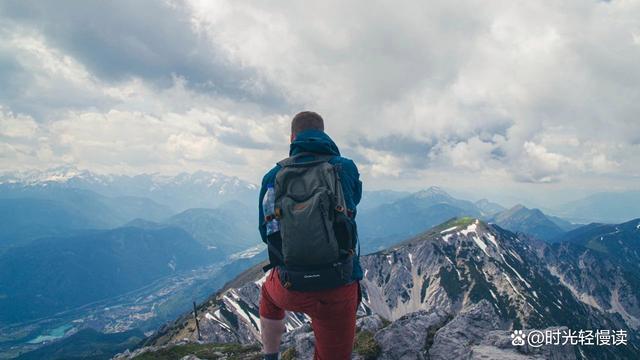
(317, 236)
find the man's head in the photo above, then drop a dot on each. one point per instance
(306, 120)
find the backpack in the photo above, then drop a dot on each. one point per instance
(317, 237)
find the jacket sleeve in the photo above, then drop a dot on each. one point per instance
(261, 225)
(357, 193)
(355, 185)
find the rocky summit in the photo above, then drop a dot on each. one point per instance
(458, 290)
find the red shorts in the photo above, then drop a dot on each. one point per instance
(332, 313)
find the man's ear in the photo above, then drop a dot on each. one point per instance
(293, 137)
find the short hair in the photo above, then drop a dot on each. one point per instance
(306, 120)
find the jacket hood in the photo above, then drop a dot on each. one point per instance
(315, 141)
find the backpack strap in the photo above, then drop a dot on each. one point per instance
(276, 252)
(295, 159)
(339, 195)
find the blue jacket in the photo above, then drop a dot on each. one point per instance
(319, 142)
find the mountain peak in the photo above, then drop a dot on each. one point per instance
(58, 174)
(489, 208)
(432, 191)
(460, 222)
(464, 226)
(462, 274)
(525, 211)
(456, 228)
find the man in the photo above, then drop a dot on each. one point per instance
(330, 297)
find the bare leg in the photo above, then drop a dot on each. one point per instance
(271, 333)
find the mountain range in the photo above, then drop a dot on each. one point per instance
(388, 223)
(206, 189)
(201, 189)
(51, 275)
(532, 222)
(91, 261)
(606, 207)
(28, 213)
(71, 238)
(226, 229)
(455, 291)
(407, 215)
(608, 256)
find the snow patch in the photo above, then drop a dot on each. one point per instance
(453, 228)
(473, 229)
(247, 316)
(514, 270)
(492, 239)
(494, 295)
(293, 321)
(480, 244)
(515, 255)
(261, 281)
(512, 286)
(256, 320)
(216, 319)
(534, 309)
(470, 229)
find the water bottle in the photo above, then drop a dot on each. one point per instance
(268, 208)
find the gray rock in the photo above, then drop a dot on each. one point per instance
(190, 357)
(475, 334)
(371, 323)
(408, 337)
(302, 340)
(494, 353)
(455, 339)
(501, 340)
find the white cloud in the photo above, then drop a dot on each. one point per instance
(500, 92)
(16, 126)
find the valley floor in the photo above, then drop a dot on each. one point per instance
(143, 308)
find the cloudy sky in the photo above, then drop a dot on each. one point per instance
(536, 100)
